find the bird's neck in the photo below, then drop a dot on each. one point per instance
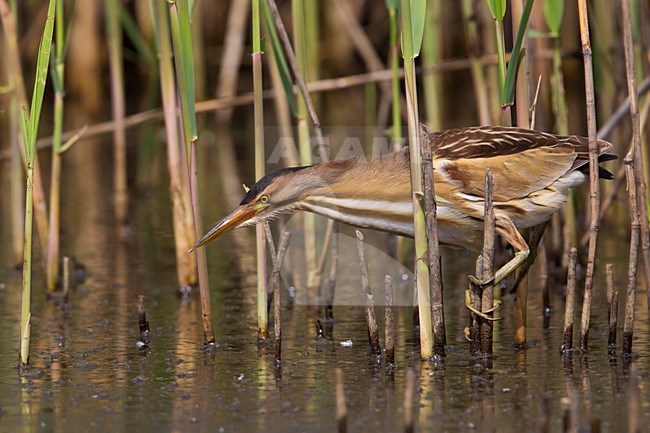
(373, 194)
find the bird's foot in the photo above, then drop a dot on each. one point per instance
(481, 283)
(483, 314)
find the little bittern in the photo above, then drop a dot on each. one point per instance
(533, 172)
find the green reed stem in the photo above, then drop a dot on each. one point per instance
(182, 47)
(431, 56)
(410, 49)
(258, 111)
(186, 264)
(30, 122)
(393, 16)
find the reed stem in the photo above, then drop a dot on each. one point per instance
(114, 36)
(371, 317)
(594, 187)
(389, 327)
(569, 308)
(260, 159)
(635, 229)
(612, 300)
(487, 261)
(341, 410)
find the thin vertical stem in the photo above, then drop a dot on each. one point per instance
(341, 410)
(612, 300)
(433, 250)
(258, 112)
(594, 187)
(431, 56)
(628, 324)
(637, 151)
(389, 327)
(570, 301)
(487, 271)
(409, 397)
(371, 317)
(417, 188)
(114, 35)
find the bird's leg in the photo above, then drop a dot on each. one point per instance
(536, 234)
(507, 229)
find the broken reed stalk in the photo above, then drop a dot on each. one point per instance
(331, 279)
(341, 410)
(433, 248)
(487, 264)
(143, 323)
(118, 103)
(636, 153)
(594, 186)
(409, 406)
(612, 301)
(628, 324)
(569, 308)
(67, 268)
(633, 405)
(258, 114)
(371, 317)
(275, 288)
(389, 326)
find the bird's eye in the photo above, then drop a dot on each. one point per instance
(264, 199)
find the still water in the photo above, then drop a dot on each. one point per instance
(88, 375)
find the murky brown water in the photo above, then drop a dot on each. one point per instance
(87, 374)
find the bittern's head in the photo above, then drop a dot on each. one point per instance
(279, 192)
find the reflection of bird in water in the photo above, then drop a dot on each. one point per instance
(533, 172)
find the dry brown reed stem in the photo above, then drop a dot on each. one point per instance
(67, 265)
(409, 398)
(569, 308)
(389, 326)
(361, 41)
(341, 410)
(143, 322)
(633, 406)
(283, 245)
(620, 173)
(543, 281)
(628, 324)
(293, 64)
(487, 263)
(612, 301)
(234, 41)
(594, 186)
(636, 152)
(433, 251)
(621, 112)
(183, 225)
(476, 66)
(331, 279)
(371, 317)
(275, 287)
(475, 301)
(118, 104)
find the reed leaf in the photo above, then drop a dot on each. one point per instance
(42, 65)
(508, 90)
(413, 27)
(133, 33)
(554, 13)
(182, 42)
(497, 9)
